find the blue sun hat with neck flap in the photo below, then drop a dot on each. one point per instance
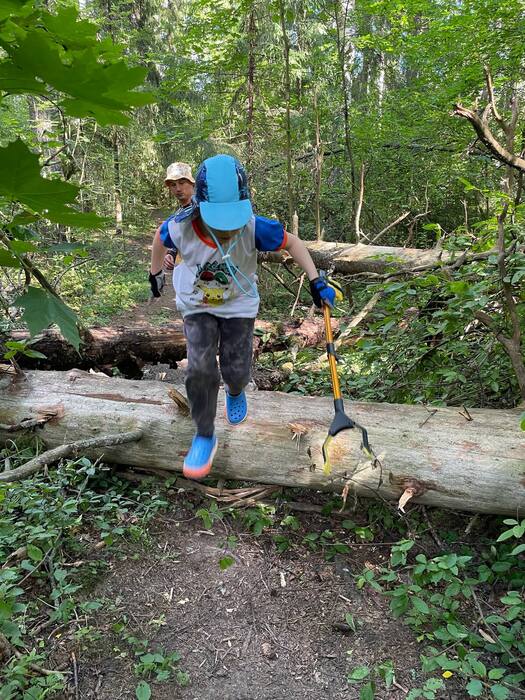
(221, 190)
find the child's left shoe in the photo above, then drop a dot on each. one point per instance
(236, 408)
(198, 461)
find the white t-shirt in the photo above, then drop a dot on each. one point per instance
(203, 282)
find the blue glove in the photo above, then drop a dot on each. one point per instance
(325, 292)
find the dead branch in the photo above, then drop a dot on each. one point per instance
(50, 456)
(463, 259)
(278, 278)
(25, 424)
(391, 225)
(488, 139)
(511, 345)
(360, 203)
(367, 308)
(301, 282)
(490, 89)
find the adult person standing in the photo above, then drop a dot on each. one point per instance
(181, 184)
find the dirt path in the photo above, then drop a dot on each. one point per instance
(151, 311)
(263, 629)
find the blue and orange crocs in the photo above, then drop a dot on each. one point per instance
(198, 461)
(236, 408)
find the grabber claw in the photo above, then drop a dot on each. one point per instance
(341, 421)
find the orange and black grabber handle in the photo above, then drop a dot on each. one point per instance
(341, 421)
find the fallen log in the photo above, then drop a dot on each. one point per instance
(130, 348)
(357, 258)
(441, 458)
(362, 258)
(127, 348)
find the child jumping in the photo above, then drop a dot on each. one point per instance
(216, 289)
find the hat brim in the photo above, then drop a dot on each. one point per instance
(226, 216)
(182, 177)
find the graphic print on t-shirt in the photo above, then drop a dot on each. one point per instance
(213, 284)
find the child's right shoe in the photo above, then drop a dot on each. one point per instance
(236, 408)
(198, 461)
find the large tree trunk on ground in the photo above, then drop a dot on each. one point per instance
(131, 348)
(127, 348)
(358, 258)
(474, 462)
(352, 259)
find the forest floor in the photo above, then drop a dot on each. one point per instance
(152, 311)
(265, 628)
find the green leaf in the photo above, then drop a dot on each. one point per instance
(499, 691)
(94, 88)
(226, 562)
(350, 621)
(143, 691)
(34, 354)
(478, 667)
(475, 688)
(518, 550)
(41, 309)
(367, 691)
(34, 553)
(66, 25)
(22, 247)
(496, 674)
(433, 684)
(7, 260)
(65, 247)
(359, 673)
(10, 8)
(20, 180)
(522, 421)
(420, 605)
(505, 536)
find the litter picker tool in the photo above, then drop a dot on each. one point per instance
(341, 421)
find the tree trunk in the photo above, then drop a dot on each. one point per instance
(252, 38)
(127, 348)
(117, 183)
(351, 259)
(345, 54)
(288, 129)
(445, 459)
(318, 171)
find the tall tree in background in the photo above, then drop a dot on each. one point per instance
(287, 99)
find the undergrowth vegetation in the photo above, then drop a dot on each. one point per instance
(463, 599)
(57, 533)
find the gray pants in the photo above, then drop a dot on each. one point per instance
(233, 337)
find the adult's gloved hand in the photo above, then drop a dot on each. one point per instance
(325, 291)
(156, 282)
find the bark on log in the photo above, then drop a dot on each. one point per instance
(449, 461)
(127, 348)
(357, 258)
(131, 348)
(352, 259)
